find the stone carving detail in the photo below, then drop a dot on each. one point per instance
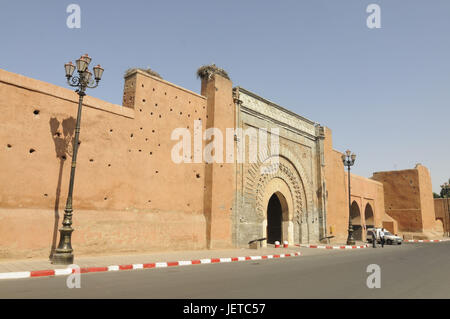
(274, 113)
(287, 173)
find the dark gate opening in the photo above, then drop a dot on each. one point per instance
(274, 218)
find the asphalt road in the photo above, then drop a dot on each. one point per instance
(407, 271)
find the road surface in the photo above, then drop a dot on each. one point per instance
(408, 271)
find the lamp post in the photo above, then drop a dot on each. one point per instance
(348, 161)
(445, 194)
(64, 253)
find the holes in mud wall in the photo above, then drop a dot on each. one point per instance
(91, 160)
(151, 153)
(109, 165)
(111, 130)
(106, 198)
(8, 145)
(32, 150)
(197, 175)
(143, 100)
(63, 157)
(156, 172)
(131, 135)
(36, 112)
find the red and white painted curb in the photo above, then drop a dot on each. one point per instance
(334, 247)
(424, 240)
(68, 271)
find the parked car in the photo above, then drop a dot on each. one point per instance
(390, 239)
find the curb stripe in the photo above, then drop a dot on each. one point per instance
(40, 273)
(21, 274)
(68, 271)
(424, 240)
(332, 247)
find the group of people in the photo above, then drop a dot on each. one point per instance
(377, 233)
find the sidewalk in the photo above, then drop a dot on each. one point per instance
(152, 260)
(43, 267)
(357, 245)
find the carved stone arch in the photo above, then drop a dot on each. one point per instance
(292, 173)
(254, 174)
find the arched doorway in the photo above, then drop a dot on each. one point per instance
(355, 215)
(276, 211)
(368, 216)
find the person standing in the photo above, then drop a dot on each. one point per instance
(382, 237)
(374, 239)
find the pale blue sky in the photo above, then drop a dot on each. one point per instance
(385, 92)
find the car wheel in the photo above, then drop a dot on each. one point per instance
(389, 242)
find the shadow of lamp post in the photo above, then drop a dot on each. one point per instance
(64, 253)
(348, 161)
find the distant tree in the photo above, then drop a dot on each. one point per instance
(436, 195)
(445, 193)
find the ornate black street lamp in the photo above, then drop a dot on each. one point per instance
(348, 161)
(64, 253)
(445, 194)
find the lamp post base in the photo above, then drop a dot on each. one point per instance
(62, 258)
(64, 253)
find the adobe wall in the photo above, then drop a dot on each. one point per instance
(336, 185)
(441, 209)
(129, 195)
(366, 194)
(408, 200)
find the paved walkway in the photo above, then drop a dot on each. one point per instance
(125, 259)
(158, 257)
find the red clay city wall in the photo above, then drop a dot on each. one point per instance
(409, 200)
(129, 195)
(366, 194)
(442, 211)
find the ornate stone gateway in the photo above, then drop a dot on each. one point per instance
(285, 203)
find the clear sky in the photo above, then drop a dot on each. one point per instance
(384, 92)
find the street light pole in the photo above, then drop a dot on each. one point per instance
(348, 161)
(64, 253)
